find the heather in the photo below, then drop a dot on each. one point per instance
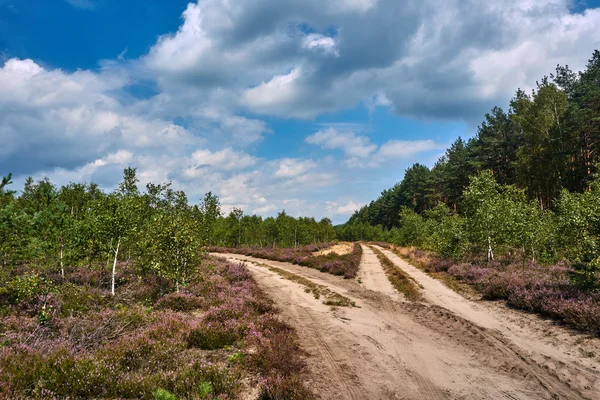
(549, 290)
(345, 265)
(68, 337)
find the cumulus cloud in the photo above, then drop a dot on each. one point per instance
(344, 209)
(289, 168)
(226, 159)
(316, 41)
(234, 65)
(395, 149)
(353, 146)
(359, 151)
(453, 62)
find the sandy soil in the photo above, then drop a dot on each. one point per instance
(545, 341)
(340, 248)
(391, 349)
(372, 277)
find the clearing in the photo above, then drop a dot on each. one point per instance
(340, 249)
(446, 347)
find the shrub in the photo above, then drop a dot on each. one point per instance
(179, 302)
(280, 354)
(162, 394)
(80, 299)
(25, 287)
(140, 352)
(212, 337)
(284, 388)
(104, 347)
(343, 265)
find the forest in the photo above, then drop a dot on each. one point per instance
(80, 224)
(525, 187)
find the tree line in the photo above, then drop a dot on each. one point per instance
(57, 227)
(532, 166)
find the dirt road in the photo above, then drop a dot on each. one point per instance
(387, 348)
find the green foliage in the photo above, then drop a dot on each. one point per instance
(411, 230)
(212, 337)
(25, 287)
(162, 394)
(205, 389)
(446, 233)
(579, 232)
(237, 357)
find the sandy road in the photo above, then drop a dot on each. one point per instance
(391, 349)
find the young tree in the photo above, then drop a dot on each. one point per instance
(211, 212)
(173, 248)
(119, 217)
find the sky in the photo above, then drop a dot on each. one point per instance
(310, 106)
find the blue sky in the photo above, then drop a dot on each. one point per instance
(309, 106)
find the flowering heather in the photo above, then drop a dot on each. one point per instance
(544, 289)
(145, 340)
(345, 265)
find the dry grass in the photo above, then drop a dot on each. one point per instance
(399, 279)
(330, 297)
(422, 260)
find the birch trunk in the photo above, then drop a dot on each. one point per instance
(114, 269)
(490, 253)
(62, 266)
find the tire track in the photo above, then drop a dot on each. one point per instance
(390, 348)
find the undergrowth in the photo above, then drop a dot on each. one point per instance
(68, 338)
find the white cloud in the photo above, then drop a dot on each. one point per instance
(290, 168)
(353, 146)
(354, 5)
(344, 209)
(244, 130)
(451, 62)
(226, 159)
(360, 152)
(316, 41)
(268, 209)
(395, 149)
(277, 92)
(231, 60)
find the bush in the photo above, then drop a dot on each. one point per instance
(104, 347)
(80, 299)
(279, 354)
(25, 287)
(162, 394)
(345, 265)
(179, 302)
(284, 388)
(212, 337)
(140, 352)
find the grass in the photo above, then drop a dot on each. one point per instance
(331, 298)
(398, 278)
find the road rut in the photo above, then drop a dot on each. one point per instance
(387, 348)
